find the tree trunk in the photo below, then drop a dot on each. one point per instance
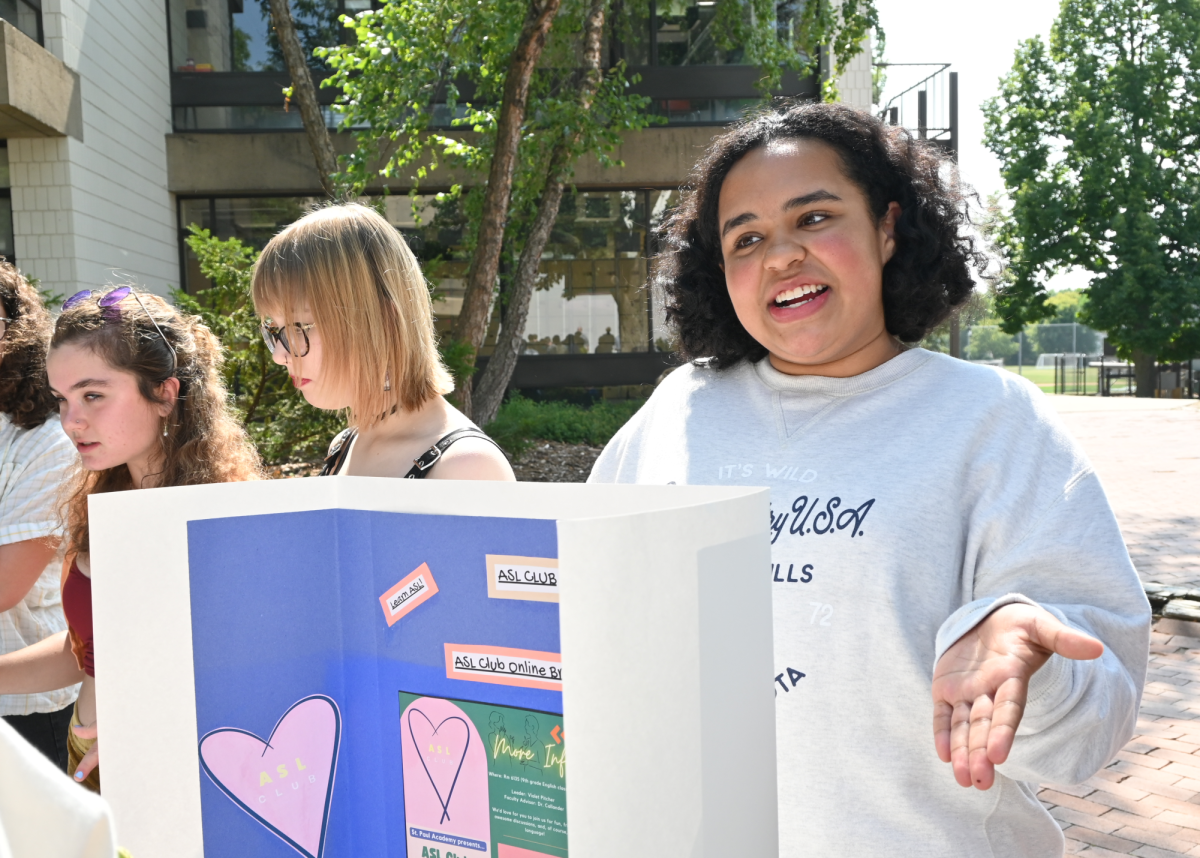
(633, 320)
(471, 325)
(305, 94)
(489, 390)
(1144, 373)
(492, 384)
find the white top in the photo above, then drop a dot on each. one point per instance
(908, 502)
(34, 466)
(43, 812)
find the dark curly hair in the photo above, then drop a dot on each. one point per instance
(928, 276)
(24, 392)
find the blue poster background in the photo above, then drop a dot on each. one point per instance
(287, 605)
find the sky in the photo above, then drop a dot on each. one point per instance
(978, 39)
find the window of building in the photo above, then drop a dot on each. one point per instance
(253, 220)
(681, 33)
(702, 111)
(245, 117)
(236, 35)
(25, 15)
(8, 247)
(591, 299)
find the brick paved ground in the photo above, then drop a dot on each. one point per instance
(1147, 801)
(1147, 453)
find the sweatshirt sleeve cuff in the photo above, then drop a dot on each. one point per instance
(969, 616)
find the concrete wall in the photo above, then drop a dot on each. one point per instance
(854, 86)
(282, 163)
(39, 94)
(92, 211)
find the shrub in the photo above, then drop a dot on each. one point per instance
(521, 421)
(281, 424)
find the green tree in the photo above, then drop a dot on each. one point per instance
(1066, 305)
(1099, 137)
(281, 424)
(986, 341)
(1064, 332)
(538, 102)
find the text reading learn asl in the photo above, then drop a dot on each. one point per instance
(417, 586)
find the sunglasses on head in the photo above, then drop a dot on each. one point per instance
(110, 305)
(297, 346)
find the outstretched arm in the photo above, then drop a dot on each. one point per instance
(21, 564)
(46, 665)
(981, 685)
(1040, 673)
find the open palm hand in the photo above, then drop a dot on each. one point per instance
(980, 685)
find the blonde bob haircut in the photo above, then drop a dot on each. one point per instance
(352, 270)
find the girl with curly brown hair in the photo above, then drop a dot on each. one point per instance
(35, 460)
(935, 532)
(139, 393)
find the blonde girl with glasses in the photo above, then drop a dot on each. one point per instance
(346, 309)
(140, 395)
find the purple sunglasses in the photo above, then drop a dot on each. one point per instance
(110, 305)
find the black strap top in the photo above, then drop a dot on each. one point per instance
(339, 449)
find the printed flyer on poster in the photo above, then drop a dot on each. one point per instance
(482, 781)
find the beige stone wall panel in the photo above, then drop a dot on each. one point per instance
(39, 95)
(218, 164)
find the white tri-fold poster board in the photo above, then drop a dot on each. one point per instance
(435, 669)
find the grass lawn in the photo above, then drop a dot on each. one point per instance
(1043, 377)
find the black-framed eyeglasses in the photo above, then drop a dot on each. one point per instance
(110, 306)
(272, 335)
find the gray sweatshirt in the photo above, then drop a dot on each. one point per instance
(906, 504)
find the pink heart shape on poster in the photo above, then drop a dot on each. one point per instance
(442, 779)
(285, 782)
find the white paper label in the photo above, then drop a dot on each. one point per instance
(533, 579)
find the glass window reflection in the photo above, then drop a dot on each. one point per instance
(253, 220)
(24, 16)
(685, 36)
(591, 297)
(236, 35)
(7, 245)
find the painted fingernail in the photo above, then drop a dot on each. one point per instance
(79, 776)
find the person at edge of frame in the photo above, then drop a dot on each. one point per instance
(36, 459)
(139, 392)
(346, 309)
(949, 581)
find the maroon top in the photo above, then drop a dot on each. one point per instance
(77, 605)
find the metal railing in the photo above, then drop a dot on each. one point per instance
(929, 107)
(1069, 358)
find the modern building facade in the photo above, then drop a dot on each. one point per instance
(127, 121)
